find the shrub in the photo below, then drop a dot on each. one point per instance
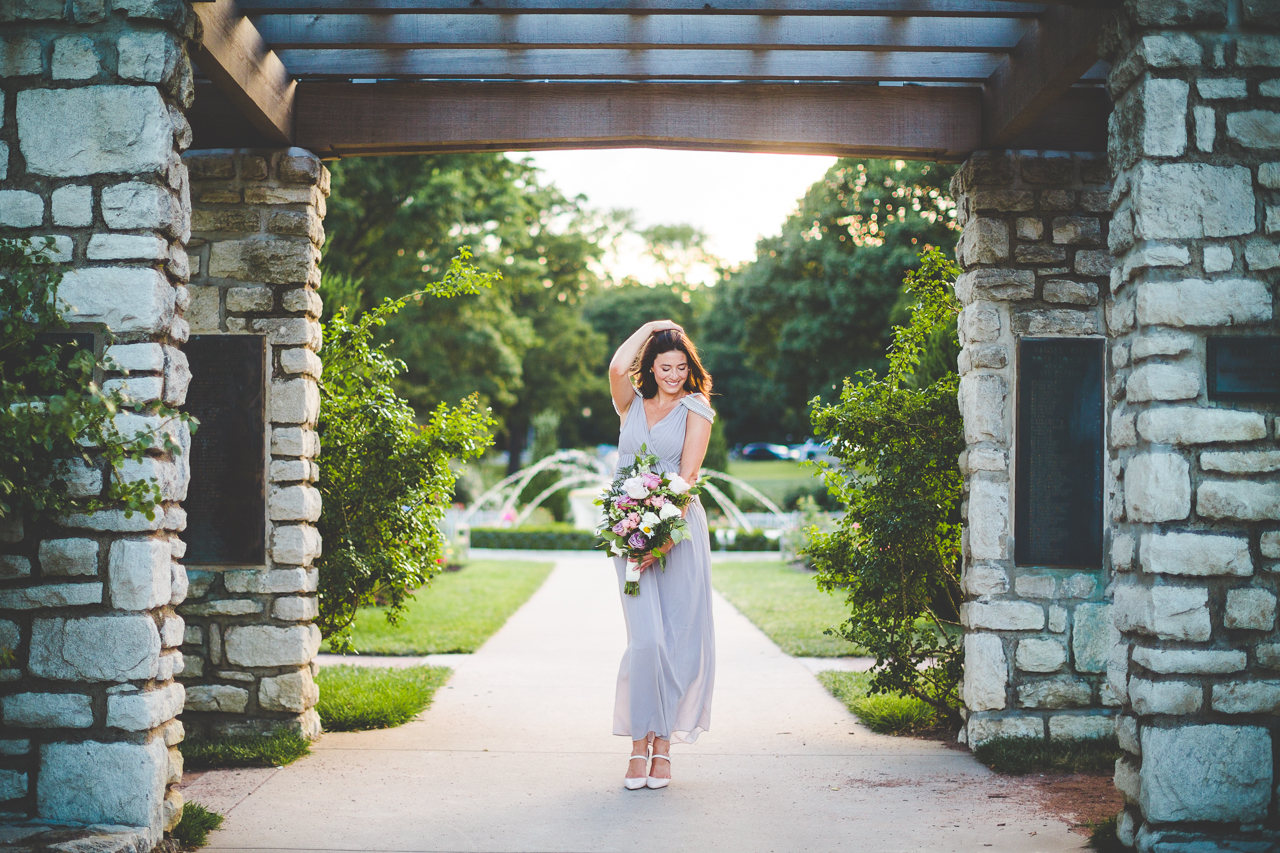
(884, 713)
(895, 553)
(53, 415)
(193, 829)
(281, 747)
(1103, 837)
(533, 538)
(745, 540)
(356, 698)
(1018, 756)
(386, 480)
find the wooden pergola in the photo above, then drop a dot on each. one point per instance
(922, 79)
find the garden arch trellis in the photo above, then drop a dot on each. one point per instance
(1172, 242)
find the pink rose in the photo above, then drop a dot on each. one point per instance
(621, 528)
(651, 481)
(636, 541)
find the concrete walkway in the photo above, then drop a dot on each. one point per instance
(516, 755)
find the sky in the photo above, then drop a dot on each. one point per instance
(734, 198)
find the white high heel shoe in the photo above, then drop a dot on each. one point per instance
(638, 782)
(655, 782)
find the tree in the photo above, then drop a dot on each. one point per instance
(57, 424)
(385, 479)
(816, 304)
(895, 553)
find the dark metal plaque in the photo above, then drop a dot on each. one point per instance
(1058, 486)
(226, 501)
(1243, 368)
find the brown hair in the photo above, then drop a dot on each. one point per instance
(668, 340)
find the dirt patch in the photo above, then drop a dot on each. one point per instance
(1076, 798)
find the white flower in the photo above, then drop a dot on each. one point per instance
(634, 488)
(668, 510)
(677, 485)
(633, 572)
(614, 550)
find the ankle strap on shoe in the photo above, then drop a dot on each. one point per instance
(664, 757)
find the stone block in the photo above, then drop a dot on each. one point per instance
(121, 784)
(236, 220)
(997, 285)
(127, 247)
(1126, 730)
(172, 632)
(48, 710)
(980, 322)
(74, 59)
(1157, 487)
(1181, 200)
(1270, 544)
(1255, 128)
(72, 206)
(136, 389)
(1258, 50)
(243, 300)
(148, 57)
(265, 645)
(1055, 321)
(1077, 230)
(134, 204)
(1035, 585)
(295, 401)
(300, 166)
(1165, 697)
(1196, 554)
(51, 595)
(21, 209)
(1124, 430)
(95, 648)
(138, 570)
(13, 785)
(982, 404)
(1162, 382)
(1064, 692)
(1057, 619)
(1261, 254)
(1209, 772)
(1117, 681)
(272, 260)
(204, 165)
(1167, 612)
(1034, 254)
(979, 730)
(1206, 127)
(217, 698)
(277, 581)
(147, 709)
(296, 545)
(1078, 727)
(294, 692)
(1241, 462)
(1162, 342)
(1122, 550)
(1071, 292)
(1240, 500)
(1247, 697)
(1164, 125)
(988, 521)
(10, 637)
(302, 300)
(304, 361)
(69, 557)
(223, 607)
(1039, 655)
(1195, 302)
(136, 358)
(1192, 425)
(1208, 661)
(13, 566)
(294, 503)
(1212, 88)
(1002, 616)
(295, 609)
(1121, 313)
(985, 579)
(1218, 258)
(1080, 586)
(1250, 609)
(125, 299)
(19, 57)
(1093, 636)
(93, 130)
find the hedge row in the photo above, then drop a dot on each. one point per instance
(543, 539)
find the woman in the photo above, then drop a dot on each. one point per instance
(665, 681)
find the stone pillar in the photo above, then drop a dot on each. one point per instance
(255, 249)
(1195, 149)
(90, 136)
(1033, 251)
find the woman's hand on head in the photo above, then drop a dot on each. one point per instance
(663, 326)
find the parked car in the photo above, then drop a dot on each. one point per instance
(764, 450)
(811, 450)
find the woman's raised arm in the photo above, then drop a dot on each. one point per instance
(620, 365)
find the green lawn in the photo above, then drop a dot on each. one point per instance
(457, 613)
(785, 604)
(776, 478)
(886, 713)
(358, 698)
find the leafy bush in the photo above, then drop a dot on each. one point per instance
(357, 698)
(1018, 756)
(283, 746)
(1103, 837)
(745, 540)
(385, 479)
(53, 415)
(193, 829)
(885, 713)
(895, 553)
(533, 538)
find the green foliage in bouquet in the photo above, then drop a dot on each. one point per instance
(54, 416)
(385, 479)
(895, 553)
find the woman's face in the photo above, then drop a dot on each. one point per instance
(671, 369)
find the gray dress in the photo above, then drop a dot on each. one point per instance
(668, 669)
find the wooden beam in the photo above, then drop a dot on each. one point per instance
(1075, 122)
(928, 123)
(610, 64)
(901, 8)
(1048, 60)
(639, 32)
(234, 57)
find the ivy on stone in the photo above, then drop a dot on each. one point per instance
(895, 554)
(59, 430)
(385, 479)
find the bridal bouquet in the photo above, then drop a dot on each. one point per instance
(642, 512)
